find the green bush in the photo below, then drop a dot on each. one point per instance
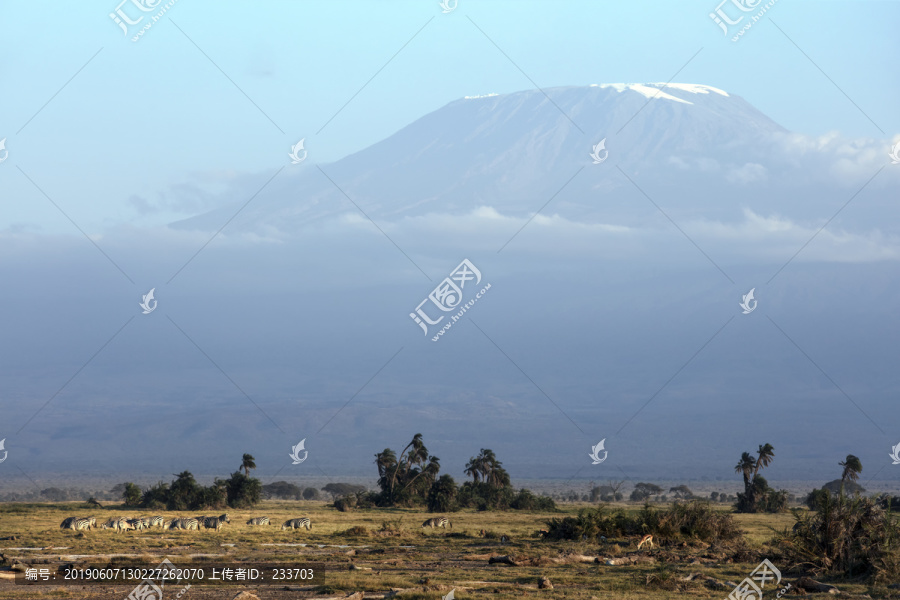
(854, 537)
(695, 520)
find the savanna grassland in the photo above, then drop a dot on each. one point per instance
(375, 551)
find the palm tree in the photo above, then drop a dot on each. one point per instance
(745, 467)
(418, 447)
(473, 468)
(766, 456)
(430, 472)
(247, 464)
(385, 460)
(852, 469)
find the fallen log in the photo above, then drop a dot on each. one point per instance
(811, 585)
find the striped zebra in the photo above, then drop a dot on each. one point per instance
(215, 522)
(297, 523)
(119, 524)
(258, 521)
(145, 522)
(185, 523)
(438, 522)
(156, 521)
(136, 524)
(78, 523)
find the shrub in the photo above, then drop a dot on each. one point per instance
(695, 519)
(855, 537)
(346, 503)
(242, 491)
(442, 495)
(526, 500)
(131, 495)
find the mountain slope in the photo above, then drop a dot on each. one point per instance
(515, 151)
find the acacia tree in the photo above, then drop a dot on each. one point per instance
(642, 491)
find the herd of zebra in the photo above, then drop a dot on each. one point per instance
(122, 524)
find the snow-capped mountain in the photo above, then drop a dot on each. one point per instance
(514, 151)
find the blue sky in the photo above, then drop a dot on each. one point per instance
(142, 117)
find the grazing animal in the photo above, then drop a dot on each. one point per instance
(647, 539)
(215, 522)
(78, 523)
(185, 523)
(438, 522)
(136, 524)
(119, 524)
(297, 523)
(258, 521)
(84, 523)
(157, 521)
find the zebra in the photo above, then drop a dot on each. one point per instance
(215, 522)
(438, 522)
(119, 524)
(145, 522)
(185, 523)
(297, 523)
(156, 520)
(78, 523)
(258, 521)
(136, 524)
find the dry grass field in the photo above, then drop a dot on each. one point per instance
(380, 550)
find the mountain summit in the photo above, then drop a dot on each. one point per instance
(514, 151)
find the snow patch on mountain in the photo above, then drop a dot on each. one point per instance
(655, 90)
